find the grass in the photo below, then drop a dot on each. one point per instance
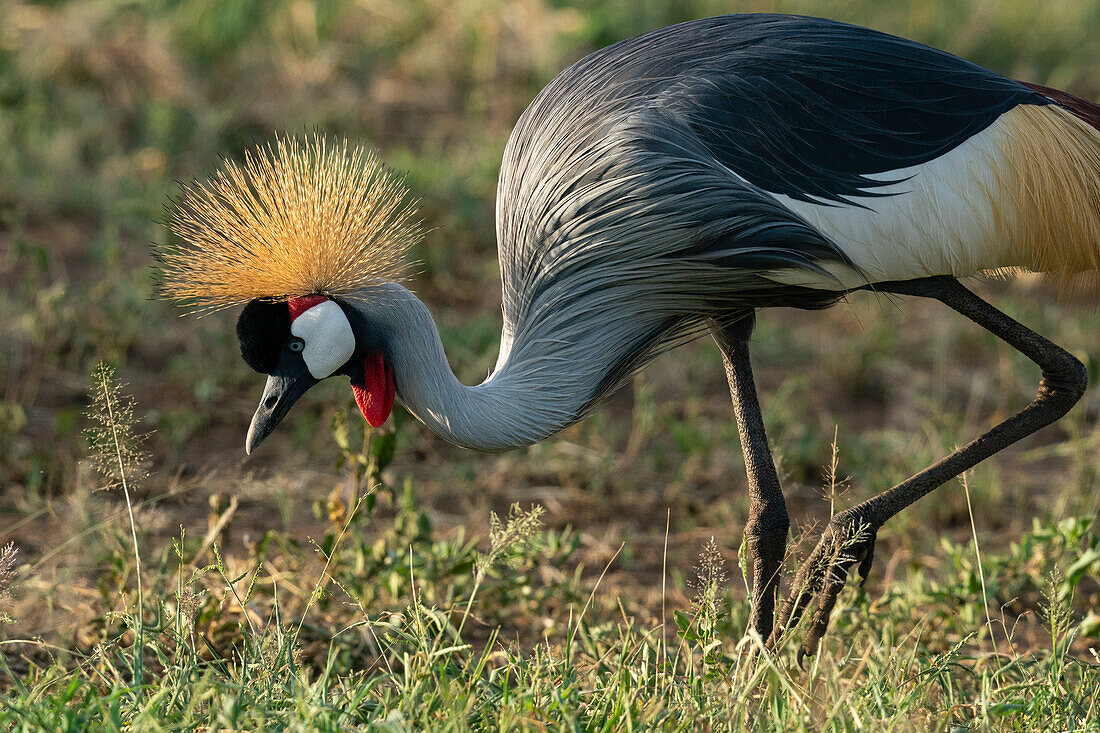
(384, 624)
(347, 579)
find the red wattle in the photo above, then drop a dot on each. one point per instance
(375, 395)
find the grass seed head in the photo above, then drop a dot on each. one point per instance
(8, 557)
(513, 535)
(1055, 608)
(114, 445)
(710, 579)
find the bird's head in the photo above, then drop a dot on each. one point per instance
(298, 343)
(299, 232)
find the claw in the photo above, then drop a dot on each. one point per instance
(822, 576)
(865, 563)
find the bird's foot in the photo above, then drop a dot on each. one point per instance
(766, 542)
(848, 539)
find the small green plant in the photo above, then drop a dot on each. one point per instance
(506, 538)
(702, 628)
(835, 485)
(114, 448)
(1057, 614)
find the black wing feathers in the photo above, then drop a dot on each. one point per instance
(809, 107)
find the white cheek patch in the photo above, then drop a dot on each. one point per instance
(329, 340)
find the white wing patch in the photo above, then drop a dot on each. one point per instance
(941, 220)
(329, 340)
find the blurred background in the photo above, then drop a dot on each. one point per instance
(106, 105)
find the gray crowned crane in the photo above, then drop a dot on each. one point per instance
(661, 188)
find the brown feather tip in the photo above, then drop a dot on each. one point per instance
(298, 216)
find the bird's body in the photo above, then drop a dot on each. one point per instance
(903, 161)
(750, 161)
(667, 185)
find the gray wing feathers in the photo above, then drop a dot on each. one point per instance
(629, 242)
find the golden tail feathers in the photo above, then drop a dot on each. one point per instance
(1049, 190)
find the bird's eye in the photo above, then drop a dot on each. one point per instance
(296, 344)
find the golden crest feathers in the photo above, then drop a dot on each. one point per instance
(296, 217)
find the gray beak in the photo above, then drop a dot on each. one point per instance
(280, 393)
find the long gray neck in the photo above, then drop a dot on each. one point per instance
(519, 404)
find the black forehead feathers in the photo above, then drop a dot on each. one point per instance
(262, 329)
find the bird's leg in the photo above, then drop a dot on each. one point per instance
(850, 536)
(767, 526)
